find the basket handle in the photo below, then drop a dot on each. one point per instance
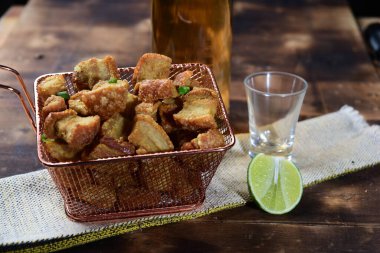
(22, 83)
(18, 93)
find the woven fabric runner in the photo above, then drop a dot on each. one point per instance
(32, 213)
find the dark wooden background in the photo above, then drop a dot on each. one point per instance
(317, 39)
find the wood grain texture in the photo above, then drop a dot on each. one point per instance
(317, 39)
(8, 20)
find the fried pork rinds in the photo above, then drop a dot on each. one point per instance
(61, 151)
(151, 91)
(152, 66)
(199, 109)
(131, 102)
(114, 126)
(78, 131)
(149, 136)
(88, 73)
(106, 100)
(184, 79)
(211, 139)
(53, 104)
(166, 111)
(51, 120)
(148, 109)
(200, 93)
(109, 147)
(51, 85)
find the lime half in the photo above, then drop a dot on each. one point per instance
(275, 183)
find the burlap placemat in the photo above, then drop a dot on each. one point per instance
(32, 213)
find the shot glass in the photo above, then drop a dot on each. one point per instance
(274, 104)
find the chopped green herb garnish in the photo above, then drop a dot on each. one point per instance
(112, 80)
(45, 139)
(182, 90)
(63, 94)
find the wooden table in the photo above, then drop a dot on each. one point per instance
(316, 39)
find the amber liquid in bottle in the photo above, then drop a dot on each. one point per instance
(195, 31)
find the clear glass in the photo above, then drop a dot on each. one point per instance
(274, 104)
(195, 31)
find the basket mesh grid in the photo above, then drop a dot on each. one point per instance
(121, 187)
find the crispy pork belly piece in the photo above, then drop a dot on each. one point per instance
(200, 93)
(199, 109)
(184, 79)
(152, 66)
(61, 151)
(78, 131)
(131, 102)
(151, 91)
(51, 85)
(76, 104)
(53, 104)
(88, 73)
(99, 196)
(50, 121)
(166, 111)
(148, 109)
(110, 147)
(149, 136)
(211, 139)
(114, 126)
(106, 100)
(188, 146)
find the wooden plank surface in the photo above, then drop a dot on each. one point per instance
(8, 21)
(316, 39)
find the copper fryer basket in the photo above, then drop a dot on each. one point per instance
(138, 185)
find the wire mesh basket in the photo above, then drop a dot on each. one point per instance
(135, 185)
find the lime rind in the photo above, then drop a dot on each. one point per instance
(278, 198)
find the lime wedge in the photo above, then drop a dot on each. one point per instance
(275, 183)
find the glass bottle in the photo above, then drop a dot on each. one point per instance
(195, 31)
